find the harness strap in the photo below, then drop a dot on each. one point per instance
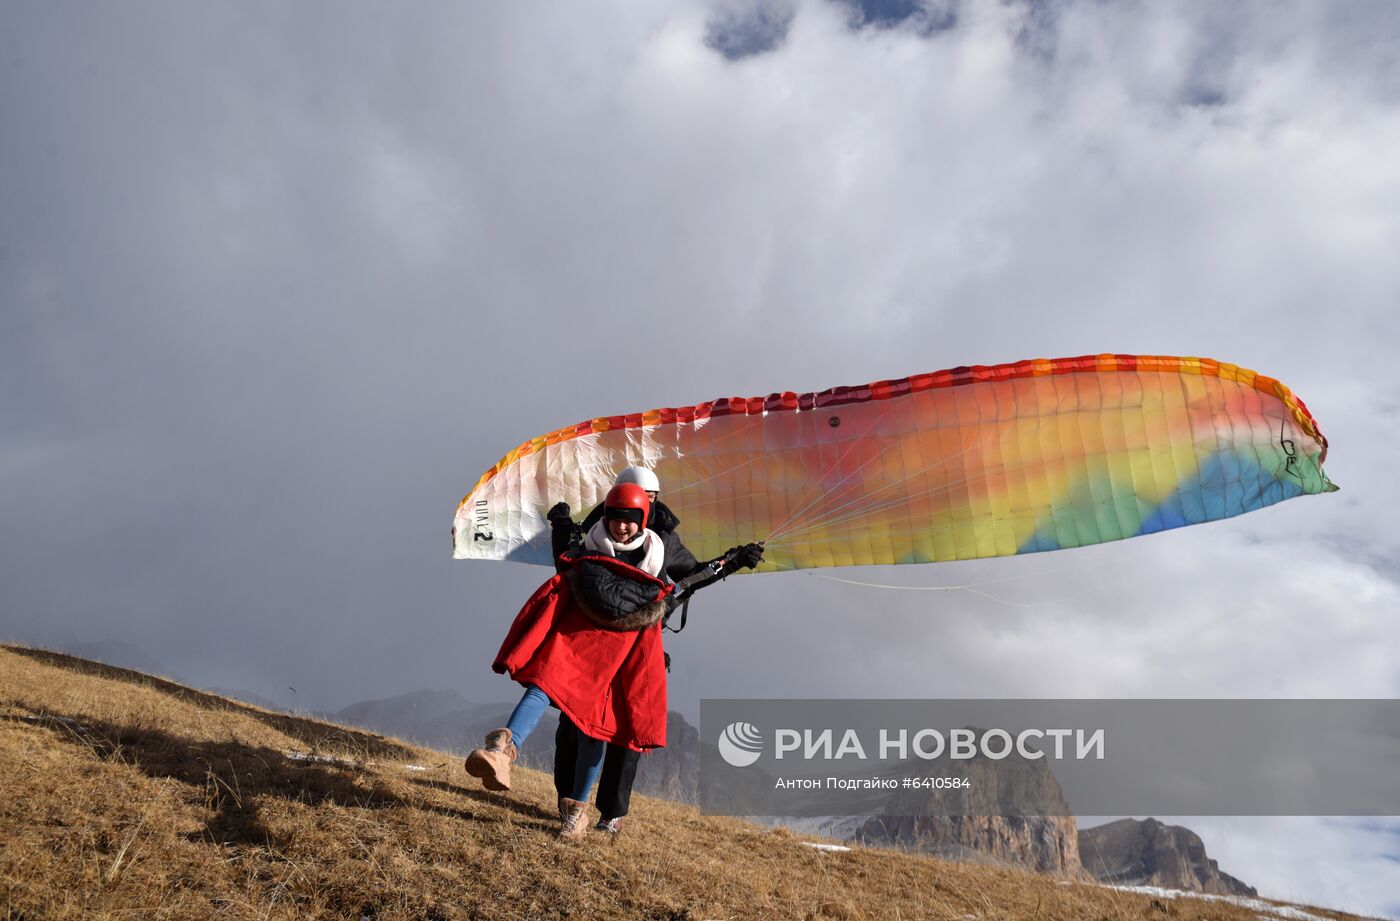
(685, 612)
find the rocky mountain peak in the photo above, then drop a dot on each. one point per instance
(1133, 852)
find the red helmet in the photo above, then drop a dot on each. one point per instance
(628, 502)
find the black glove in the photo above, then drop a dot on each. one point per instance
(746, 556)
(559, 513)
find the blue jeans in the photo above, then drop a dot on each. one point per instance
(526, 715)
(588, 763)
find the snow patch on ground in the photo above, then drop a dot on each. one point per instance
(1271, 911)
(346, 762)
(321, 759)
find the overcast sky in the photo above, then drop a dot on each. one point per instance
(279, 281)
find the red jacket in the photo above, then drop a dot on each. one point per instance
(610, 680)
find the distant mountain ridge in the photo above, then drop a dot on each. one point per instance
(439, 717)
(1130, 852)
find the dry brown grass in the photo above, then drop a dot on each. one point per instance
(124, 795)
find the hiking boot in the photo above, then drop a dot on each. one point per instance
(574, 822)
(492, 762)
(611, 826)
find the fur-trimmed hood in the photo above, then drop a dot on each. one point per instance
(613, 594)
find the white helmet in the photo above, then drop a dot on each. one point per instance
(641, 476)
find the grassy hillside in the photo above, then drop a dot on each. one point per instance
(124, 795)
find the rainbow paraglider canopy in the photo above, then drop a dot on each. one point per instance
(961, 464)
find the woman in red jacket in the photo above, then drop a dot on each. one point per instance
(614, 789)
(589, 642)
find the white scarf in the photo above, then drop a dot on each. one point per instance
(598, 540)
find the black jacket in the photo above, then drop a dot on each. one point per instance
(614, 595)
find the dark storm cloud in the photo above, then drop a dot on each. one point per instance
(924, 17)
(742, 31)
